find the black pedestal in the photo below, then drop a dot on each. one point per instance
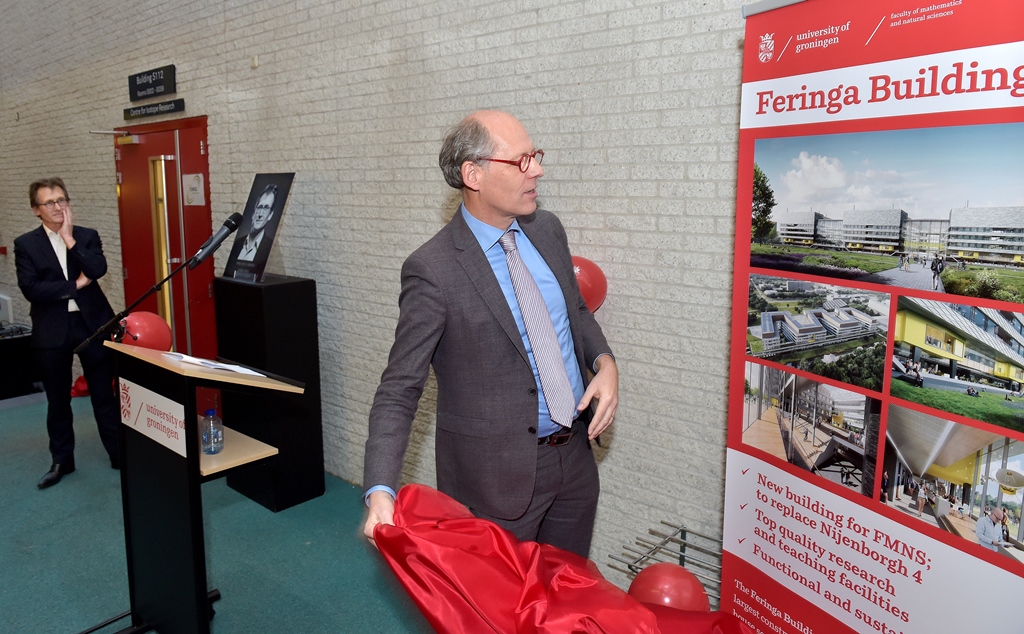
(272, 326)
(17, 362)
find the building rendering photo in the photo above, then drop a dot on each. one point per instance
(950, 475)
(880, 207)
(828, 330)
(821, 428)
(993, 234)
(967, 360)
(990, 235)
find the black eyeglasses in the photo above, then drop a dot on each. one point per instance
(50, 205)
(523, 161)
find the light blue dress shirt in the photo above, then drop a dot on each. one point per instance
(488, 237)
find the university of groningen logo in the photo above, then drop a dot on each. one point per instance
(767, 48)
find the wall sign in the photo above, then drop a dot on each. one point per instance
(195, 192)
(154, 109)
(158, 82)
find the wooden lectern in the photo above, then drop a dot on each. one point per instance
(162, 469)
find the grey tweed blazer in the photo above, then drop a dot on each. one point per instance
(454, 317)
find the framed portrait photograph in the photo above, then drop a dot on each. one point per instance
(260, 220)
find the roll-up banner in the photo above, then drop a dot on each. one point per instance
(875, 463)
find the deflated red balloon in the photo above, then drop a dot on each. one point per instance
(670, 585)
(592, 282)
(146, 330)
(80, 387)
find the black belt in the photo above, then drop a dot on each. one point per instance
(557, 440)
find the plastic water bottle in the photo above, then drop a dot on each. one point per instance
(211, 432)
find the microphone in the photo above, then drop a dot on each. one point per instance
(230, 225)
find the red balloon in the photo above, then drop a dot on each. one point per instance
(80, 387)
(146, 330)
(592, 282)
(670, 585)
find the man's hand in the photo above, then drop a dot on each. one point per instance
(605, 388)
(382, 511)
(82, 281)
(66, 227)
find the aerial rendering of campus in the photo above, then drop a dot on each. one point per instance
(831, 331)
(897, 207)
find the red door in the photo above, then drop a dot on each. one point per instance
(164, 211)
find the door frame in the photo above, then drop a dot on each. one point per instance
(177, 125)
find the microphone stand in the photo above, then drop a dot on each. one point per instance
(114, 325)
(205, 251)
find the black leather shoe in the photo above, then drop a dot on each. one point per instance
(56, 472)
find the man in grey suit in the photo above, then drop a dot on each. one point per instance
(500, 448)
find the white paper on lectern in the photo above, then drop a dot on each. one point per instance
(207, 363)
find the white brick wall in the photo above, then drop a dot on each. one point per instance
(635, 102)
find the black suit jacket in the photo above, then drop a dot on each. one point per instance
(42, 281)
(262, 251)
(251, 270)
(455, 318)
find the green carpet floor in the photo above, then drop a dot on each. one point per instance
(62, 553)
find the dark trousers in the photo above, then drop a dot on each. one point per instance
(98, 366)
(564, 497)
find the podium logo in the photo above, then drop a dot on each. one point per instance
(766, 50)
(126, 402)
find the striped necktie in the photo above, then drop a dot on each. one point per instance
(547, 354)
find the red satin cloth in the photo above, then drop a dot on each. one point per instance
(468, 575)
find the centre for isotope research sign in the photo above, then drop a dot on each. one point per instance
(154, 109)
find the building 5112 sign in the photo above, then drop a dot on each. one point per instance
(158, 82)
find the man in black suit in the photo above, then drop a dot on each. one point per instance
(58, 264)
(510, 445)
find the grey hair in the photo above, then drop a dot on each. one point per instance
(468, 140)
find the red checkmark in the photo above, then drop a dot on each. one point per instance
(743, 540)
(744, 472)
(743, 506)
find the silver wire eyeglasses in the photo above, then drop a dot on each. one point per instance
(50, 205)
(523, 161)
